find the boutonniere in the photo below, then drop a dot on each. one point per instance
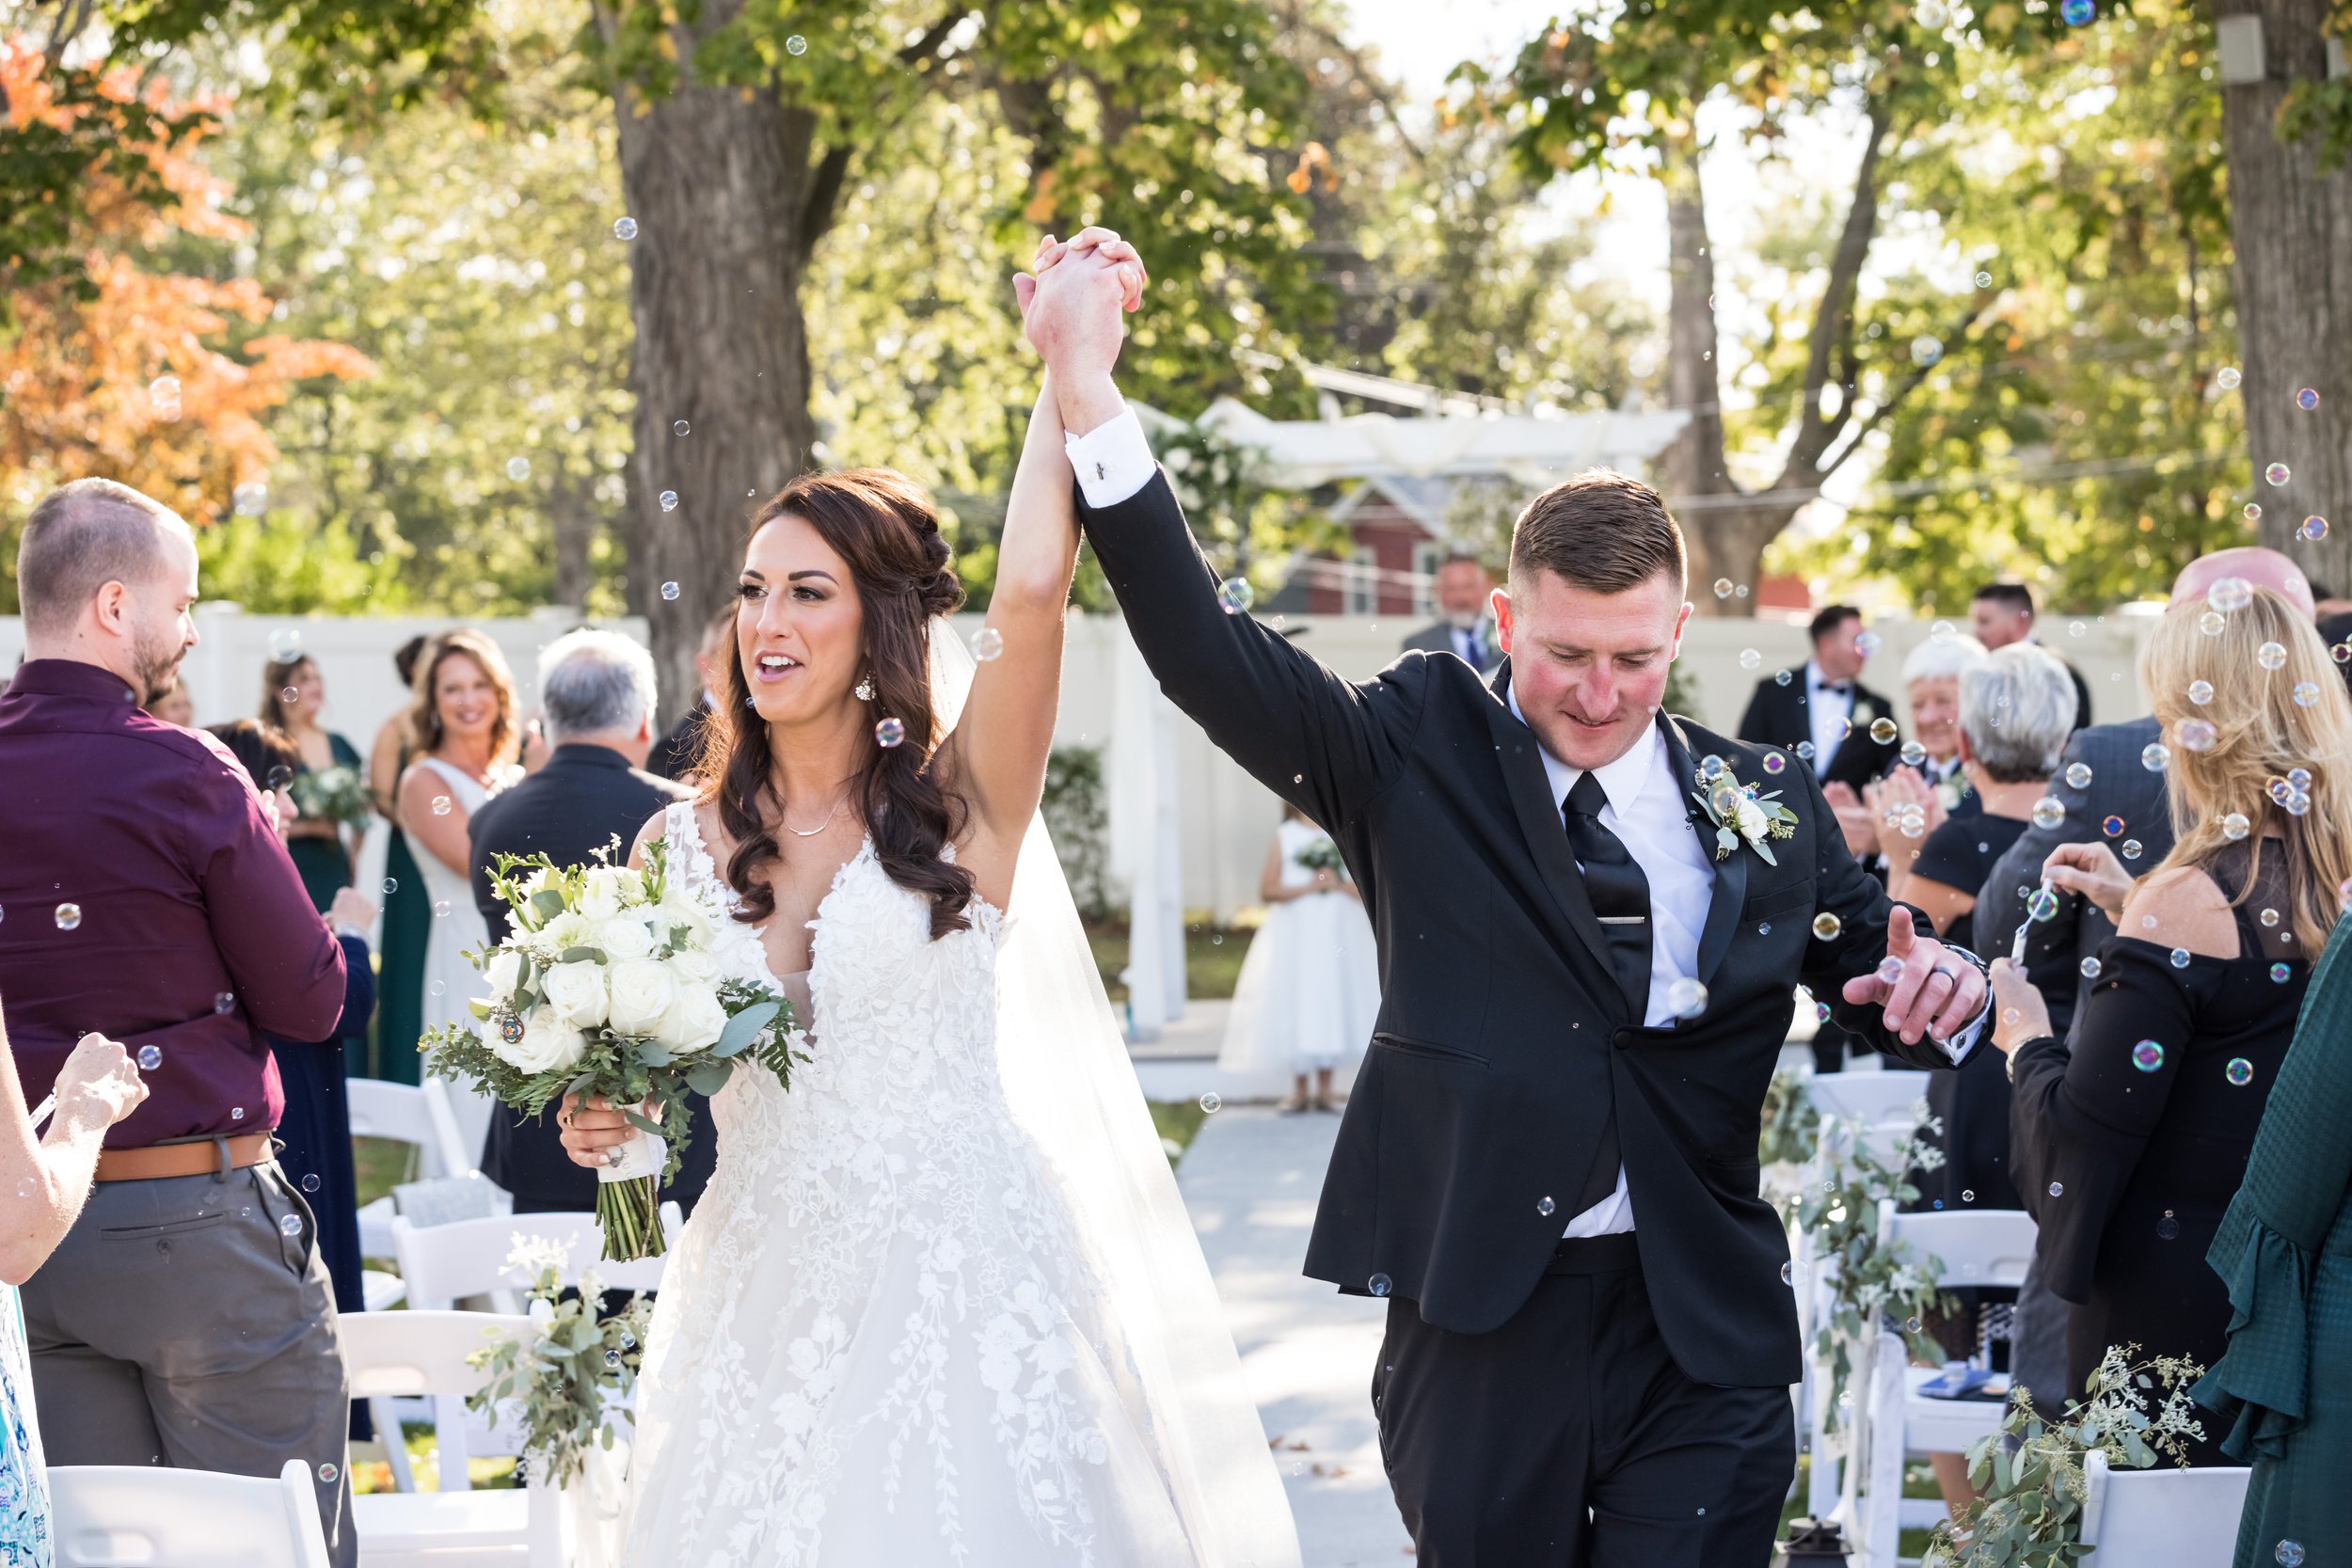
(1951, 789)
(1741, 812)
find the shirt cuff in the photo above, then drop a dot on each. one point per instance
(1960, 1045)
(1113, 461)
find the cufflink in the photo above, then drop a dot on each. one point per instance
(1098, 471)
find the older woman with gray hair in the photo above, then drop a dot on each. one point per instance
(1930, 775)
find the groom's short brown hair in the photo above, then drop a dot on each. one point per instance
(1600, 531)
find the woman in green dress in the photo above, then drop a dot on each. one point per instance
(293, 695)
(2284, 1249)
(407, 913)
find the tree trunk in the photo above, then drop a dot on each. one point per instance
(572, 518)
(1692, 470)
(2292, 224)
(720, 183)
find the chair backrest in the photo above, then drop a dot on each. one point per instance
(2165, 1516)
(396, 1354)
(411, 1114)
(1868, 1097)
(1983, 1246)
(443, 1264)
(117, 1516)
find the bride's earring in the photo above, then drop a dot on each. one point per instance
(864, 688)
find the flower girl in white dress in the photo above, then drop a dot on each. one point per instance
(938, 1303)
(1309, 987)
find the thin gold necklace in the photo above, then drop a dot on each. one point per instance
(821, 825)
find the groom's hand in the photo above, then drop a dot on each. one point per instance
(1071, 310)
(1937, 993)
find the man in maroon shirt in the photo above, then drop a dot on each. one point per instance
(187, 1318)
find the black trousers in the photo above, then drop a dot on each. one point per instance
(1568, 1438)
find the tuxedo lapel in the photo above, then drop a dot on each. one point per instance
(1731, 874)
(1574, 922)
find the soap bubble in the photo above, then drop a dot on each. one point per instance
(1913, 754)
(2281, 974)
(1722, 588)
(2235, 826)
(2057, 1189)
(518, 469)
(2112, 826)
(1868, 644)
(2197, 735)
(151, 1057)
(1211, 1102)
(2227, 378)
(1235, 595)
(2271, 656)
(1926, 351)
(2230, 594)
(2200, 692)
(442, 908)
(2078, 13)
(443, 805)
(2240, 1071)
(1788, 1273)
(2299, 777)
(2306, 693)
(2290, 1553)
(2152, 756)
(669, 500)
(2148, 1056)
(310, 1182)
(669, 590)
(68, 917)
(391, 884)
(1883, 731)
(2130, 848)
(1775, 762)
(679, 427)
(1804, 751)
(2167, 1228)
(1380, 1284)
(2089, 968)
(2278, 473)
(1710, 769)
(2078, 775)
(2307, 400)
(223, 1001)
(1726, 800)
(625, 228)
(2213, 622)
(2048, 812)
(1985, 279)
(2042, 906)
(2252, 511)
(1686, 998)
(1782, 677)
(251, 498)
(988, 644)
(796, 45)
(329, 1473)
(291, 1224)
(1826, 926)
(2314, 527)
(889, 733)
(1890, 970)
(164, 392)
(1751, 660)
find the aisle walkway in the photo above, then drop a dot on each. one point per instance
(1250, 1181)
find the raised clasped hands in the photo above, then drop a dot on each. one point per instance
(1071, 306)
(1937, 994)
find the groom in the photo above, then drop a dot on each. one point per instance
(1549, 1165)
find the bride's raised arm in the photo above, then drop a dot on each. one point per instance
(1001, 742)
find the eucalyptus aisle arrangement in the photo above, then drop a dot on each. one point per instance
(569, 1379)
(2028, 1477)
(606, 988)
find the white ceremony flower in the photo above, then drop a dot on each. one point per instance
(569, 929)
(1750, 820)
(600, 893)
(576, 991)
(694, 1024)
(682, 908)
(623, 937)
(694, 965)
(548, 1044)
(502, 973)
(640, 997)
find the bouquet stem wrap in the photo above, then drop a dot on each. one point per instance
(628, 1200)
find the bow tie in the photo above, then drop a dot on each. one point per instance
(1832, 685)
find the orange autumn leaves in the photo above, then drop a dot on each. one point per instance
(79, 370)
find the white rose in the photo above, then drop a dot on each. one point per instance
(641, 995)
(600, 892)
(693, 966)
(694, 1024)
(576, 991)
(502, 973)
(569, 929)
(623, 937)
(680, 908)
(548, 1044)
(1750, 817)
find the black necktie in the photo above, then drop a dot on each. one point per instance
(1476, 649)
(1620, 896)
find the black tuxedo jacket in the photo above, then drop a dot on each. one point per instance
(578, 803)
(1503, 1038)
(1778, 715)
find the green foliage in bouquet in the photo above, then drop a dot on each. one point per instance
(2028, 1476)
(1863, 1279)
(566, 1384)
(606, 989)
(336, 795)
(1321, 854)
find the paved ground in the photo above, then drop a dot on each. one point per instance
(1250, 1180)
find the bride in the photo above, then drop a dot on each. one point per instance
(940, 1303)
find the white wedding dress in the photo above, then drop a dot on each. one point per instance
(880, 1343)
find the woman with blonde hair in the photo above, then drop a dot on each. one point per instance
(462, 718)
(2129, 1141)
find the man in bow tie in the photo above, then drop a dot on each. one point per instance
(1824, 712)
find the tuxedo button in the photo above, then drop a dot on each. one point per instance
(1625, 1039)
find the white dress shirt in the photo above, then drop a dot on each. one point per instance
(1113, 460)
(1646, 810)
(1832, 713)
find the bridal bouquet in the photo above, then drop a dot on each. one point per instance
(1321, 854)
(336, 795)
(607, 987)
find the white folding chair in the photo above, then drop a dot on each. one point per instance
(1989, 1247)
(444, 1265)
(419, 1116)
(2164, 1518)
(1869, 1097)
(118, 1515)
(401, 1355)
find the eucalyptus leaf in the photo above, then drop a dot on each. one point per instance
(547, 903)
(743, 1027)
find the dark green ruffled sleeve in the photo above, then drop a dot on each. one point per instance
(2297, 1182)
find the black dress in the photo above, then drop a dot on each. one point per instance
(2130, 1144)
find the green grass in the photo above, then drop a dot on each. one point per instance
(1179, 1122)
(1213, 956)
(378, 1164)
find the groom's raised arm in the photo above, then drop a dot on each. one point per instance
(1326, 744)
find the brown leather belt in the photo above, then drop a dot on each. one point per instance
(162, 1160)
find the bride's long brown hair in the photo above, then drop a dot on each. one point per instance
(882, 526)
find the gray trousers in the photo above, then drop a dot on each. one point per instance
(181, 1323)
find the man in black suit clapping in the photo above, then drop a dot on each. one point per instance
(597, 688)
(1824, 712)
